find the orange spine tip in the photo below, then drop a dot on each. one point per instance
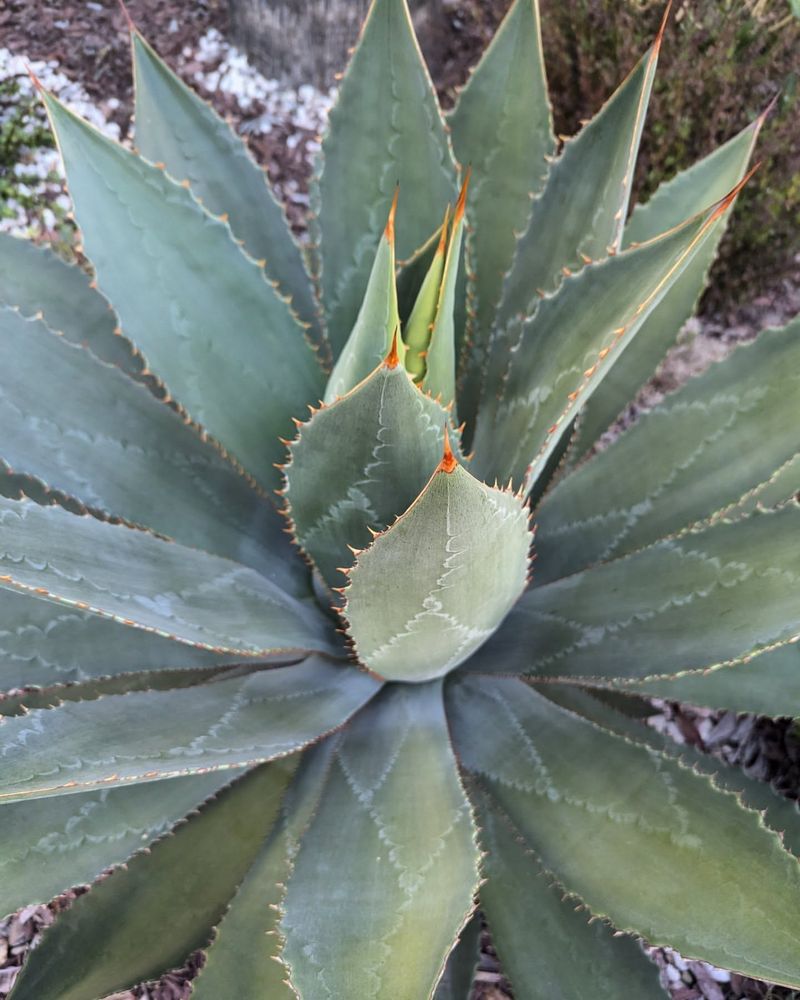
(461, 204)
(662, 27)
(389, 231)
(443, 236)
(35, 79)
(392, 359)
(449, 461)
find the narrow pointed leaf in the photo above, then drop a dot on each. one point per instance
(440, 356)
(694, 601)
(404, 848)
(223, 724)
(389, 436)
(42, 644)
(417, 331)
(146, 582)
(385, 130)
(210, 324)
(456, 982)
(547, 946)
(699, 451)
(421, 626)
(85, 428)
(572, 219)
(103, 943)
(175, 127)
(674, 201)
(575, 336)
(49, 845)
(377, 323)
(501, 127)
(411, 274)
(244, 958)
(578, 793)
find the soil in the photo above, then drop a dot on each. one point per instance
(89, 42)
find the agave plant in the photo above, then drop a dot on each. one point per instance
(301, 686)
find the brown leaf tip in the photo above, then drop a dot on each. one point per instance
(392, 359)
(461, 204)
(443, 235)
(663, 26)
(128, 18)
(35, 80)
(449, 461)
(389, 231)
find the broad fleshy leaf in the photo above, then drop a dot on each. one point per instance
(412, 627)
(696, 453)
(244, 958)
(385, 131)
(402, 866)
(377, 323)
(698, 600)
(175, 127)
(147, 582)
(608, 817)
(205, 316)
(548, 947)
(109, 940)
(389, 436)
(49, 845)
(675, 200)
(85, 428)
(575, 336)
(501, 126)
(226, 723)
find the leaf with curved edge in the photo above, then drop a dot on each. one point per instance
(417, 331)
(108, 940)
(389, 436)
(34, 280)
(174, 126)
(688, 192)
(440, 356)
(244, 958)
(783, 484)
(697, 452)
(391, 851)
(411, 273)
(222, 724)
(467, 545)
(780, 814)
(580, 212)
(634, 832)
(548, 948)
(767, 683)
(203, 312)
(51, 844)
(697, 600)
(456, 981)
(42, 644)
(147, 582)
(575, 336)
(385, 130)
(501, 125)
(377, 323)
(86, 429)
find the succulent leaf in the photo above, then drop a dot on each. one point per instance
(385, 131)
(417, 331)
(564, 350)
(389, 436)
(103, 943)
(696, 453)
(91, 432)
(228, 723)
(459, 973)
(719, 594)
(175, 127)
(661, 825)
(211, 325)
(393, 796)
(501, 126)
(147, 582)
(688, 192)
(377, 324)
(777, 488)
(414, 628)
(51, 844)
(547, 945)
(411, 273)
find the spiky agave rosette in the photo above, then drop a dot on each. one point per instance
(324, 813)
